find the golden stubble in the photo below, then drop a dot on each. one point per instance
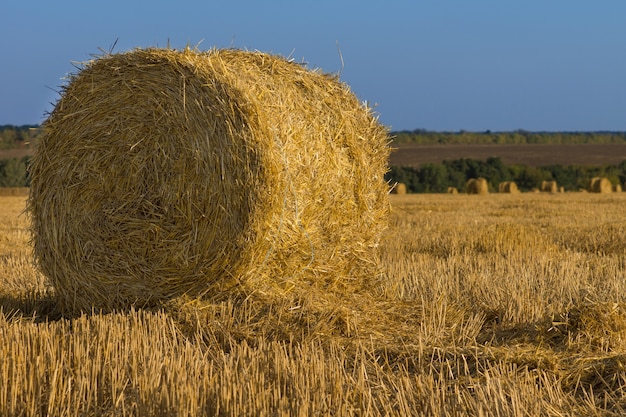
(508, 304)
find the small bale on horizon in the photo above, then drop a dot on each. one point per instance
(452, 190)
(549, 187)
(508, 187)
(477, 186)
(399, 189)
(600, 185)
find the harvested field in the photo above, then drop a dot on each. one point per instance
(531, 155)
(509, 304)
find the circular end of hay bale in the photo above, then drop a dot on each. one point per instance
(164, 172)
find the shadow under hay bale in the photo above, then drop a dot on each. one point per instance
(600, 185)
(477, 186)
(164, 172)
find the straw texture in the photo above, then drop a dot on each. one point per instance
(164, 172)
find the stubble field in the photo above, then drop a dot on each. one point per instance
(490, 305)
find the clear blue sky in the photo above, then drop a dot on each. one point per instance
(432, 64)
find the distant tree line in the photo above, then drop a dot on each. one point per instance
(436, 178)
(425, 137)
(430, 177)
(14, 172)
(12, 137)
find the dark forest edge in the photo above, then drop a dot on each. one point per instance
(517, 137)
(436, 178)
(428, 178)
(12, 136)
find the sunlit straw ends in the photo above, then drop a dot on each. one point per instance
(477, 186)
(600, 185)
(164, 172)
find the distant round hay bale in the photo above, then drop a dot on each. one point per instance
(164, 172)
(399, 189)
(508, 187)
(600, 185)
(549, 187)
(617, 188)
(477, 186)
(452, 190)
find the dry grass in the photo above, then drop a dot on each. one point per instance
(513, 304)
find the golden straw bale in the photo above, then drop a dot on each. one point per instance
(549, 186)
(600, 185)
(452, 190)
(508, 187)
(399, 189)
(477, 186)
(617, 188)
(163, 172)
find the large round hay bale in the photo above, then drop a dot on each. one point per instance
(508, 187)
(477, 186)
(399, 188)
(600, 185)
(549, 186)
(164, 172)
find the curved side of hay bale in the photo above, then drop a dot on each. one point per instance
(400, 189)
(452, 190)
(600, 185)
(549, 186)
(508, 187)
(164, 172)
(477, 186)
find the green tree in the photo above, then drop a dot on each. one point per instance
(13, 173)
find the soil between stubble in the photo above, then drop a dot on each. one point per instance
(523, 154)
